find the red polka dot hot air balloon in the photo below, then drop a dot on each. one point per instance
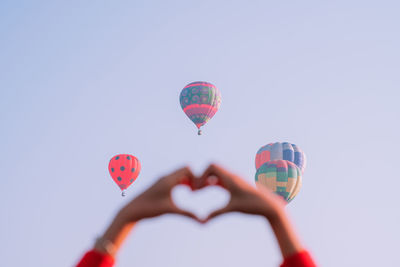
(124, 169)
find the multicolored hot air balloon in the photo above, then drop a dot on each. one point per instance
(124, 169)
(281, 176)
(200, 101)
(283, 151)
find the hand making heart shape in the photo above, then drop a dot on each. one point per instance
(157, 200)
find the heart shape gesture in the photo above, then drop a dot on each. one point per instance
(157, 200)
(200, 202)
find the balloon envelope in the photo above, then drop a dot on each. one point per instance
(200, 101)
(124, 169)
(281, 176)
(281, 151)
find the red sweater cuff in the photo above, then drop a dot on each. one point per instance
(94, 258)
(300, 259)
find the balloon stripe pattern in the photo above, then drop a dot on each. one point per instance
(200, 101)
(297, 188)
(124, 169)
(283, 151)
(281, 176)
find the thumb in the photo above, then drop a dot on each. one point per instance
(219, 212)
(186, 214)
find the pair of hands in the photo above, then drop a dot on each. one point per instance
(157, 200)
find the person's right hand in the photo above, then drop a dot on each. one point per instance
(244, 197)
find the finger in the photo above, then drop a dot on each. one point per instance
(187, 214)
(197, 183)
(204, 180)
(217, 213)
(188, 180)
(181, 176)
(213, 180)
(215, 175)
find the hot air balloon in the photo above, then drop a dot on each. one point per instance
(281, 176)
(124, 169)
(283, 151)
(200, 101)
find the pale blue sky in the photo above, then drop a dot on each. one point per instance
(82, 81)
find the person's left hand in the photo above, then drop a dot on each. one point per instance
(157, 200)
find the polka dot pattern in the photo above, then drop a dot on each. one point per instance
(118, 167)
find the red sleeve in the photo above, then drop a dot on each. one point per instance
(96, 259)
(300, 259)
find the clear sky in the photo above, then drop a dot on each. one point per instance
(81, 81)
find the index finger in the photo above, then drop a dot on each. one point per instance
(222, 175)
(181, 176)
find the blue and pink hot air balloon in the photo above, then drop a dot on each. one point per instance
(200, 101)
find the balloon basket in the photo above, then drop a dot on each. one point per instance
(199, 132)
(123, 193)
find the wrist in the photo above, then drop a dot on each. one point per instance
(128, 215)
(288, 240)
(113, 237)
(275, 216)
(105, 246)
